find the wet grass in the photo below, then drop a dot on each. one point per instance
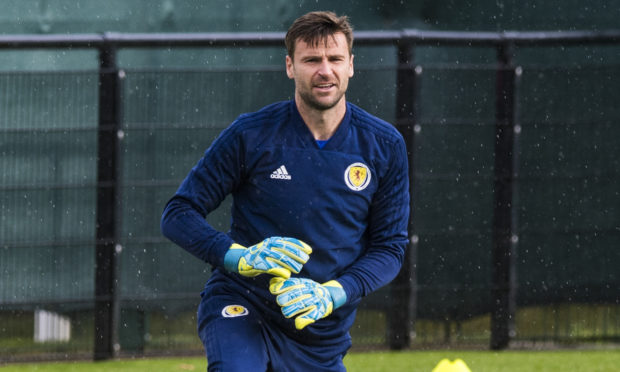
(477, 361)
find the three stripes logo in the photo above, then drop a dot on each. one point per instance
(281, 174)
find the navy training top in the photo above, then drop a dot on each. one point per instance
(348, 200)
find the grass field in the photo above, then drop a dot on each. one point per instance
(478, 361)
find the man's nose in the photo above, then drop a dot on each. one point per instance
(324, 67)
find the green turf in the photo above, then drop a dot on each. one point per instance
(486, 361)
(478, 361)
(142, 365)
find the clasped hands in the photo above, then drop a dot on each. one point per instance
(302, 298)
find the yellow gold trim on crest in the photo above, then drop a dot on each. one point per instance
(232, 311)
(357, 176)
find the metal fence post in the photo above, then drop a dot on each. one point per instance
(402, 315)
(107, 234)
(504, 208)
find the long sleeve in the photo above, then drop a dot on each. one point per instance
(202, 191)
(387, 231)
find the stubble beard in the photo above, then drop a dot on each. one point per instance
(311, 101)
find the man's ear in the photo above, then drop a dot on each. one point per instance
(289, 67)
(351, 69)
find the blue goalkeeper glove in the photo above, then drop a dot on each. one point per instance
(306, 299)
(276, 256)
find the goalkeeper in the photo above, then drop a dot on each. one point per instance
(319, 215)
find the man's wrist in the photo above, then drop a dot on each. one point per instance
(339, 296)
(232, 256)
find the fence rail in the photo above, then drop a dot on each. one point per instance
(261, 39)
(508, 78)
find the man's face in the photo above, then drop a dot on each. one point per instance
(321, 73)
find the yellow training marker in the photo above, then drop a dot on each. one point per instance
(447, 366)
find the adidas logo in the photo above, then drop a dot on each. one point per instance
(281, 174)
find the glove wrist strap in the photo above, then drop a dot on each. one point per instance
(339, 296)
(232, 256)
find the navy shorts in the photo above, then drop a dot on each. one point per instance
(237, 337)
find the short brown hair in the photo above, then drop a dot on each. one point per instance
(314, 27)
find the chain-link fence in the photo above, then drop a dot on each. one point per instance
(514, 166)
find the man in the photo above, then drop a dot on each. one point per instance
(319, 215)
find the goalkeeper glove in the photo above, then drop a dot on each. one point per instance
(276, 256)
(306, 299)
